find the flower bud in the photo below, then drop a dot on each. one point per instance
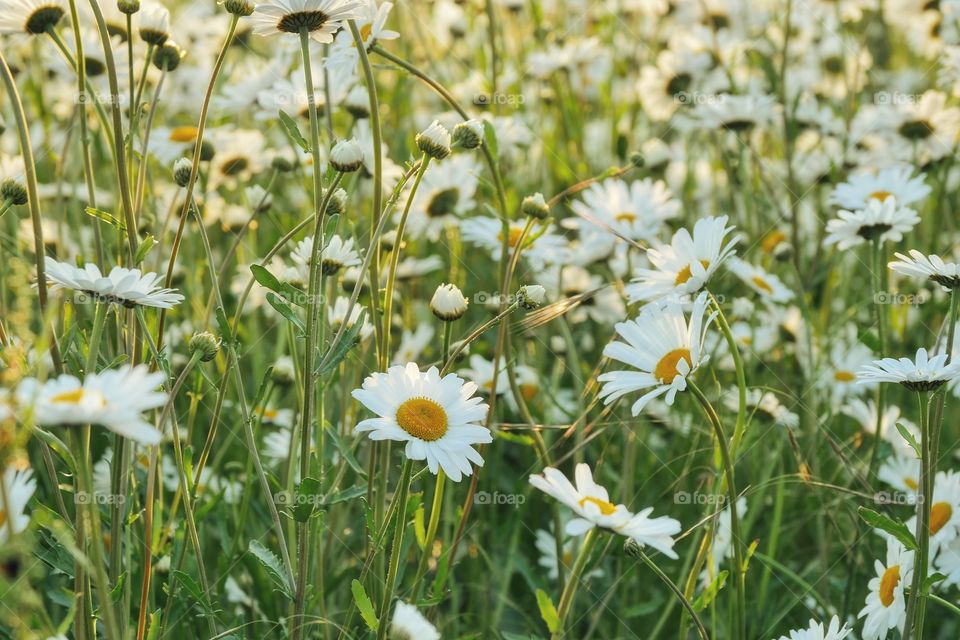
(347, 156)
(128, 7)
(13, 192)
(167, 57)
(181, 171)
(535, 207)
(242, 8)
(434, 141)
(531, 296)
(469, 134)
(448, 303)
(205, 345)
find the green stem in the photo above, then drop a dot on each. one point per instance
(431, 529)
(636, 550)
(403, 490)
(737, 542)
(573, 582)
(740, 427)
(917, 602)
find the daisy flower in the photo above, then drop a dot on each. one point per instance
(897, 182)
(413, 343)
(128, 287)
(684, 266)
(32, 17)
(487, 233)
(446, 192)
(337, 254)
(902, 472)
(922, 374)
(766, 284)
(663, 346)
(635, 210)
(20, 486)
(931, 267)
(883, 219)
(886, 603)
(320, 18)
(337, 315)
(945, 510)
(816, 631)
(409, 624)
(737, 113)
(438, 417)
(591, 503)
(114, 399)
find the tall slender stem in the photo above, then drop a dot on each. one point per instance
(737, 542)
(917, 602)
(573, 582)
(403, 490)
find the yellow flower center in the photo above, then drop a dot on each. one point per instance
(513, 238)
(762, 284)
(844, 376)
(940, 514)
(529, 391)
(686, 273)
(626, 216)
(889, 582)
(606, 508)
(365, 31)
(268, 414)
(183, 134)
(880, 195)
(422, 418)
(666, 370)
(771, 241)
(69, 397)
(3, 518)
(910, 482)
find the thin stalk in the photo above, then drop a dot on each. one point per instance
(431, 529)
(395, 260)
(573, 582)
(737, 542)
(403, 490)
(637, 551)
(917, 602)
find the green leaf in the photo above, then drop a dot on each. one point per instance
(930, 581)
(106, 216)
(895, 528)
(548, 612)
(344, 450)
(346, 494)
(284, 309)
(418, 528)
(293, 130)
(264, 277)
(144, 249)
(871, 340)
(908, 437)
(196, 593)
(153, 630)
(364, 606)
(710, 593)
(340, 350)
(490, 138)
(307, 496)
(117, 592)
(226, 334)
(271, 563)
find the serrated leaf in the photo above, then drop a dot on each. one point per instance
(307, 495)
(910, 440)
(284, 309)
(710, 593)
(272, 564)
(364, 606)
(895, 528)
(293, 130)
(106, 216)
(144, 249)
(548, 612)
(340, 350)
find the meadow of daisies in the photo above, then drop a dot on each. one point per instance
(508, 319)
